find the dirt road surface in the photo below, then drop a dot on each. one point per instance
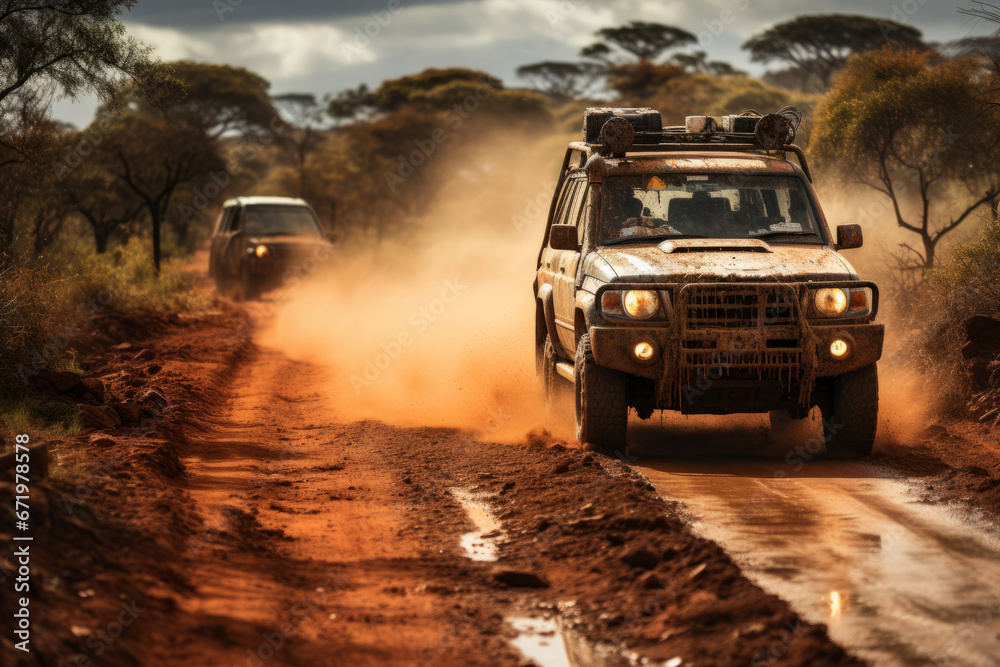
(850, 544)
(253, 521)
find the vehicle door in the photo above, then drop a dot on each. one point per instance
(564, 269)
(232, 244)
(215, 250)
(548, 269)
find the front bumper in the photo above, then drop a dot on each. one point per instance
(776, 346)
(612, 347)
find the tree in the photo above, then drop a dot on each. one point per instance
(427, 87)
(303, 137)
(820, 44)
(697, 61)
(352, 104)
(217, 99)
(637, 82)
(74, 44)
(912, 127)
(29, 140)
(67, 46)
(598, 51)
(153, 157)
(562, 80)
(646, 41)
(102, 199)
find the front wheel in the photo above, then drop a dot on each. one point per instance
(601, 404)
(850, 422)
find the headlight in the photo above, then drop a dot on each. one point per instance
(261, 251)
(641, 304)
(831, 301)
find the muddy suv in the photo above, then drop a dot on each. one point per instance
(260, 242)
(692, 269)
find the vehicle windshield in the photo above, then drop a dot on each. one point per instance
(719, 206)
(260, 220)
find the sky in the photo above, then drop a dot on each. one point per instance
(324, 47)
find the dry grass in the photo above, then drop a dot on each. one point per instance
(43, 306)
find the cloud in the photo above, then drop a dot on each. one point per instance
(310, 45)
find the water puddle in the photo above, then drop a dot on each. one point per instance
(545, 644)
(481, 544)
(540, 641)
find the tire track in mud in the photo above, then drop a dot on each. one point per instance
(849, 544)
(301, 560)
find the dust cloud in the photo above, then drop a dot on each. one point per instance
(907, 398)
(436, 325)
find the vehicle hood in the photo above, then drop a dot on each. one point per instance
(724, 260)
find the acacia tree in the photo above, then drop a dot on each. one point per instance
(153, 158)
(908, 125)
(102, 199)
(646, 41)
(563, 80)
(820, 44)
(215, 99)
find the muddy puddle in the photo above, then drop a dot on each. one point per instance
(547, 644)
(482, 543)
(898, 581)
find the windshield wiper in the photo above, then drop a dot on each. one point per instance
(657, 237)
(778, 232)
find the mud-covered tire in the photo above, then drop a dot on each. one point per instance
(601, 404)
(246, 288)
(851, 420)
(554, 387)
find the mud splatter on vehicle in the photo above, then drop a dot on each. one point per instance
(691, 268)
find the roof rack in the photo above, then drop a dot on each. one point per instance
(623, 131)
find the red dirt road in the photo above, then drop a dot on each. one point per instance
(253, 525)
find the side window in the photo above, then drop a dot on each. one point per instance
(564, 198)
(573, 209)
(580, 217)
(234, 219)
(220, 224)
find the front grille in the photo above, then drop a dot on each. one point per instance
(745, 332)
(729, 306)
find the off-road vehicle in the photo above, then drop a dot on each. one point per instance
(691, 268)
(260, 242)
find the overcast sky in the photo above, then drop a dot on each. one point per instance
(313, 46)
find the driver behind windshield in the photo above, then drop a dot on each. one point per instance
(708, 206)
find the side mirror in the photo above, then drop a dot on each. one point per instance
(563, 237)
(849, 236)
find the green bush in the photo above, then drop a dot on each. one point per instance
(968, 283)
(126, 278)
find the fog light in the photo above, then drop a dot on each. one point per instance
(644, 351)
(261, 251)
(840, 348)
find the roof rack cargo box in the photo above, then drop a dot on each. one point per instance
(642, 120)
